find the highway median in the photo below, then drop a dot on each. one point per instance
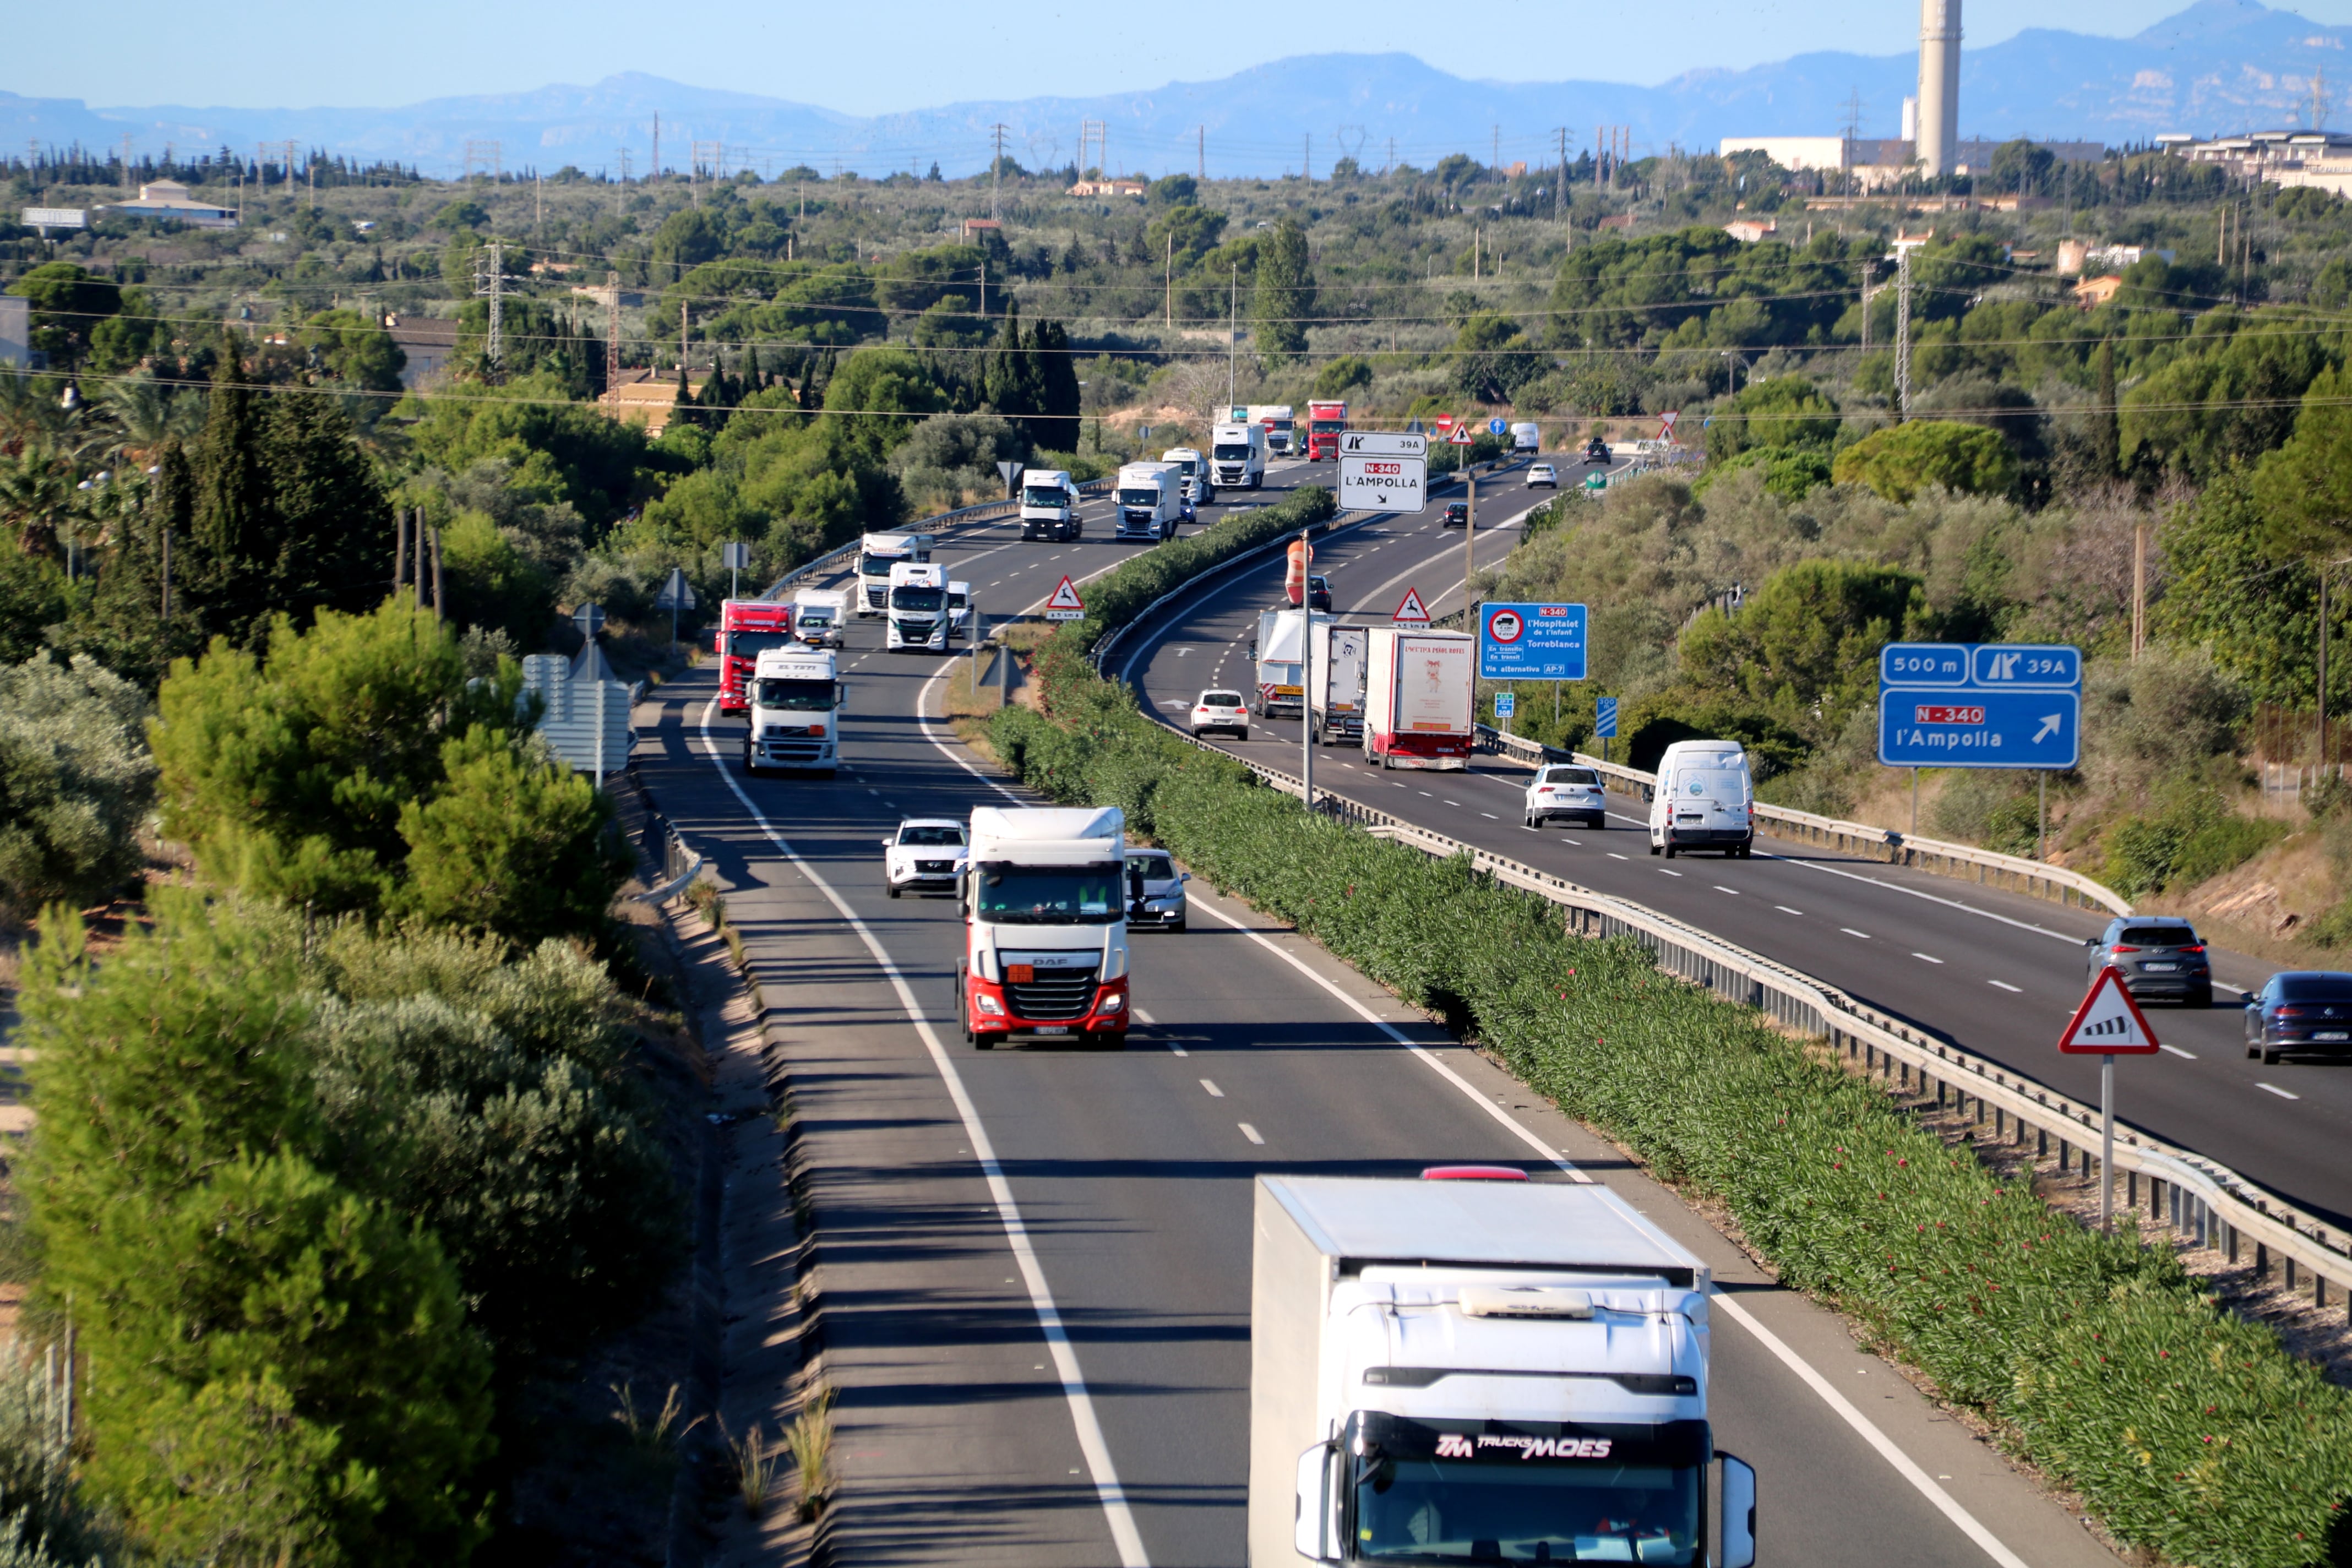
(2186, 1430)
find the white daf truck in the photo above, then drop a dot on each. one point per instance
(918, 617)
(1149, 501)
(1238, 456)
(1045, 904)
(877, 554)
(796, 698)
(1480, 1372)
(1049, 506)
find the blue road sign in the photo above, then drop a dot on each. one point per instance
(1531, 642)
(1604, 723)
(1497, 425)
(1979, 705)
(1505, 704)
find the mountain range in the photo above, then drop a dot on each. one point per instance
(2221, 66)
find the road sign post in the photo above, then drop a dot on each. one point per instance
(736, 558)
(677, 594)
(1531, 642)
(1506, 707)
(2107, 1025)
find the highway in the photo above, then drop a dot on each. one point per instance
(1997, 974)
(1033, 1265)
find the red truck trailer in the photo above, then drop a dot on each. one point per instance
(1325, 421)
(747, 627)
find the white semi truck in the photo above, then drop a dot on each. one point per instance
(1198, 488)
(877, 554)
(1049, 506)
(1238, 456)
(1480, 1372)
(918, 615)
(1044, 903)
(1149, 501)
(796, 698)
(1419, 698)
(1280, 655)
(1336, 698)
(1280, 424)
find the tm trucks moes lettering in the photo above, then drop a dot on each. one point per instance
(747, 629)
(1150, 501)
(877, 554)
(817, 614)
(1325, 423)
(1480, 1372)
(1237, 456)
(1049, 506)
(1279, 422)
(796, 700)
(1044, 902)
(1195, 467)
(1418, 698)
(1336, 709)
(918, 615)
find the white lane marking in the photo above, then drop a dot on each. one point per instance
(1143, 1017)
(1214, 1092)
(1917, 893)
(2177, 1051)
(1721, 889)
(1091, 1443)
(1664, 872)
(1250, 1133)
(1787, 910)
(2005, 986)
(1614, 856)
(1577, 842)
(1490, 817)
(1943, 1500)
(1924, 959)
(1851, 931)
(2274, 1089)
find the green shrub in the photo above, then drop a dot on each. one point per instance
(2188, 1431)
(75, 781)
(2194, 837)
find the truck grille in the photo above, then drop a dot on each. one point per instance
(1055, 996)
(876, 594)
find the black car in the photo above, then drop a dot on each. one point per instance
(1318, 593)
(2300, 1010)
(1596, 450)
(1457, 514)
(2161, 957)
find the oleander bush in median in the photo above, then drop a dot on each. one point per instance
(2188, 1430)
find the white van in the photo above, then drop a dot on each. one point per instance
(1704, 799)
(1526, 437)
(1238, 456)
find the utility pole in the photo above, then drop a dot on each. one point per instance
(490, 272)
(1469, 533)
(654, 172)
(126, 154)
(1201, 152)
(1865, 307)
(1234, 338)
(996, 172)
(1903, 327)
(681, 343)
(2140, 590)
(1306, 160)
(1559, 193)
(1168, 279)
(1307, 667)
(613, 341)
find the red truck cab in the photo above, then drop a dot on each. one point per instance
(747, 627)
(1324, 422)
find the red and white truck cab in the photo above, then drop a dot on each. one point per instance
(1326, 423)
(1044, 903)
(747, 629)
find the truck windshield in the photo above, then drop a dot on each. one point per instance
(1050, 895)
(794, 696)
(751, 645)
(907, 598)
(1232, 452)
(1139, 498)
(1328, 426)
(1045, 496)
(1624, 1494)
(878, 565)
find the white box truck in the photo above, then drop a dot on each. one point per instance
(1704, 798)
(1238, 456)
(1149, 501)
(1336, 706)
(1045, 904)
(1280, 655)
(1197, 487)
(796, 699)
(817, 614)
(1049, 506)
(1419, 698)
(877, 554)
(918, 617)
(1480, 1372)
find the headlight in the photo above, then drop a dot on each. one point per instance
(1113, 1002)
(988, 1004)
(1115, 967)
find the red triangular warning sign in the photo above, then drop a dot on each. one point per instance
(2109, 1023)
(1066, 597)
(1411, 612)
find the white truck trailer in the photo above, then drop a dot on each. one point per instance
(817, 614)
(1044, 902)
(919, 607)
(1336, 700)
(1480, 1372)
(1419, 698)
(1280, 655)
(1149, 501)
(1049, 506)
(1238, 456)
(877, 554)
(796, 698)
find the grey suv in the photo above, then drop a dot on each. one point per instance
(2299, 1011)
(2161, 957)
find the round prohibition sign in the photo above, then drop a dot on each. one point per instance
(1505, 627)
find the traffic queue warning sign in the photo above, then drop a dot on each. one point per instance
(1065, 604)
(2109, 1023)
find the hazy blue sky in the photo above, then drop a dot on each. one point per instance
(869, 58)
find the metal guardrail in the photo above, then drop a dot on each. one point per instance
(666, 848)
(1987, 866)
(2203, 1200)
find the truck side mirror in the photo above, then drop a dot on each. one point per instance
(841, 695)
(1738, 1514)
(1311, 1530)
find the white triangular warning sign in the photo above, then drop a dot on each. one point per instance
(1066, 597)
(2109, 1023)
(1412, 612)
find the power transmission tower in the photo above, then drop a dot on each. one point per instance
(623, 154)
(1096, 134)
(654, 171)
(996, 171)
(2318, 109)
(1853, 134)
(1201, 152)
(705, 155)
(481, 153)
(126, 148)
(1560, 196)
(1903, 249)
(489, 283)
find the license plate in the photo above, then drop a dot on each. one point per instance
(1051, 1029)
(2159, 968)
(2332, 1035)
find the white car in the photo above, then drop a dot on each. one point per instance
(925, 854)
(1561, 790)
(1543, 474)
(1221, 710)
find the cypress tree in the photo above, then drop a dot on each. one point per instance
(229, 524)
(330, 521)
(2106, 446)
(1058, 424)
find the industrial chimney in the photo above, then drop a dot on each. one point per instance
(1939, 85)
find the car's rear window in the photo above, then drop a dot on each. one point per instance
(931, 835)
(2157, 936)
(1220, 699)
(2315, 987)
(1568, 776)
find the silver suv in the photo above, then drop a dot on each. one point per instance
(1155, 891)
(2161, 957)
